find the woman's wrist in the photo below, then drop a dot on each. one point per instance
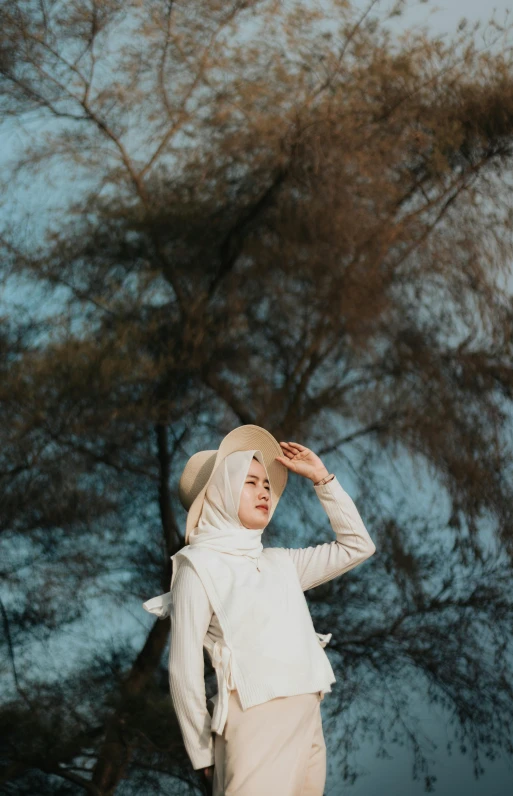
(326, 480)
(319, 475)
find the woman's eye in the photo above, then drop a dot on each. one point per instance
(254, 483)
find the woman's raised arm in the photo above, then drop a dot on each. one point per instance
(320, 563)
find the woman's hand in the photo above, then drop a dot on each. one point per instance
(302, 461)
(208, 776)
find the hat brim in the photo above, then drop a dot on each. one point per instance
(244, 438)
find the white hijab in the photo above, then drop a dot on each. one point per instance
(219, 527)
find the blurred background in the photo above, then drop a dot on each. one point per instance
(294, 214)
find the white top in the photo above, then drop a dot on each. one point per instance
(280, 629)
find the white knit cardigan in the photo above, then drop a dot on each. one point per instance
(263, 642)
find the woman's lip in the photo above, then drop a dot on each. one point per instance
(264, 508)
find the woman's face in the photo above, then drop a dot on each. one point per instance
(256, 492)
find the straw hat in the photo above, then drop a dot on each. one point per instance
(200, 468)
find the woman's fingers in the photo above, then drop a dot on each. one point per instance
(292, 447)
(289, 452)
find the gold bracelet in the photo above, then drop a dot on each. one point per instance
(325, 480)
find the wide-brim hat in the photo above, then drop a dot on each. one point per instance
(200, 468)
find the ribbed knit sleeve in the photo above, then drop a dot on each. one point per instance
(323, 562)
(191, 613)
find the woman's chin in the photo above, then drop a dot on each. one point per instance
(255, 525)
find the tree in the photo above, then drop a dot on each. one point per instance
(275, 214)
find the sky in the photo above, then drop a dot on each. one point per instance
(393, 777)
(443, 16)
(454, 774)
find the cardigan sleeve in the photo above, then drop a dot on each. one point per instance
(323, 562)
(191, 613)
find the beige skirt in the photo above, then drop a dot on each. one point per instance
(273, 749)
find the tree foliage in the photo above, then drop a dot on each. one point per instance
(272, 213)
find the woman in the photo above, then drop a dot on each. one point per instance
(245, 604)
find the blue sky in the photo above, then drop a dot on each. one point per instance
(454, 774)
(444, 16)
